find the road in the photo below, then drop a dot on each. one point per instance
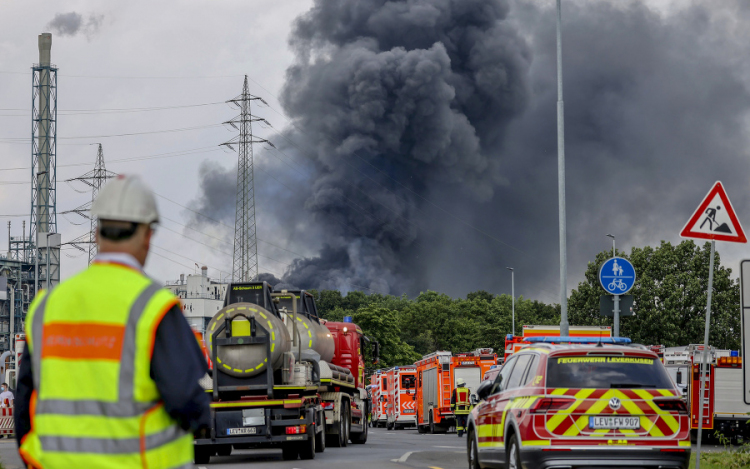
(398, 449)
(384, 449)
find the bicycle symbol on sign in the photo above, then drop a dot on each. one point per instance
(617, 283)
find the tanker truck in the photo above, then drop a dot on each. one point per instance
(281, 377)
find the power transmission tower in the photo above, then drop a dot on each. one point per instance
(94, 179)
(245, 259)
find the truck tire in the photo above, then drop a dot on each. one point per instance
(289, 451)
(320, 437)
(307, 447)
(347, 423)
(338, 440)
(203, 454)
(360, 438)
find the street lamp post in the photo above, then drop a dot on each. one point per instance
(513, 294)
(564, 325)
(616, 297)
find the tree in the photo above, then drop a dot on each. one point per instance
(669, 296)
(382, 325)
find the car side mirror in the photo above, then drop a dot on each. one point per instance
(484, 389)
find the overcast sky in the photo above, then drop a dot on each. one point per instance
(656, 102)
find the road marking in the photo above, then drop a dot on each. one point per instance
(449, 447)
(435, 467)
(404, 457)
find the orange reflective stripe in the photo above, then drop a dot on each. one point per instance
(92, 341)
(157, 321)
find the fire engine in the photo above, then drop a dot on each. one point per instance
(402, 400)
(436, 377)
(515, 343)
(374, 388)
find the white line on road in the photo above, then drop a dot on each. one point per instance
(449, 447)
(404, 457)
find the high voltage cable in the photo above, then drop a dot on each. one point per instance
(144, 77)
(183, 129)
(71, 112)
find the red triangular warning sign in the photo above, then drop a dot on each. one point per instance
(715, 219)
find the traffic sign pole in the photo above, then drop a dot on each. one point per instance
(617, 315)
(704, 361)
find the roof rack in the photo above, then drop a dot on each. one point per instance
(579, 340)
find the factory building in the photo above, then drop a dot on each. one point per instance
(201, 297)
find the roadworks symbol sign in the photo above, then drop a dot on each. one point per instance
(715, 219)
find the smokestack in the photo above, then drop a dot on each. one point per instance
(43, 169)
(45, 48)
(204, 271)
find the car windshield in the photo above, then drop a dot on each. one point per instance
(606, 372)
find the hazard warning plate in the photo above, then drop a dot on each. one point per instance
(242, 431)
(615, 423)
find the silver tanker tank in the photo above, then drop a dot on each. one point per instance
(313, 336)
(245, 361)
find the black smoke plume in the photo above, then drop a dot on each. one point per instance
(427, 129)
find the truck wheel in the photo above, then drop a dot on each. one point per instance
(338, 440)
(320, 437)
(289, 451)
(202, 454)
(347, 424)
(224, 450)
(307, 448)
(360, 438)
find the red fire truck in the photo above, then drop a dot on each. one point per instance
(436, 377)
(402, 401)
(515, 343)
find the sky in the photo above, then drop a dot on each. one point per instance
(415, 140)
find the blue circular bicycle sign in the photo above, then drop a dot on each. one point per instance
(617, 276)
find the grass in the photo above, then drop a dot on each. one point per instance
(722, 460)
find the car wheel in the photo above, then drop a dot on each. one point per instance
(473, 452)
(513, 455)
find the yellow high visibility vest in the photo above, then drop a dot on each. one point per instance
(462, 396)
(94, 404)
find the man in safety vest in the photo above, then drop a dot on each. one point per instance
(461, 405)
(109, 376)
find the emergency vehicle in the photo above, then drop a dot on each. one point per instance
(436, 379)
(374, 389)
(402, 400)
(515, 343)
(570, 405)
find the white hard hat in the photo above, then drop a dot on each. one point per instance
(460, 382)
(126, 198)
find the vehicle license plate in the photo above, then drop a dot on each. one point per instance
(407, 411)
(242, 431)
(614, 423)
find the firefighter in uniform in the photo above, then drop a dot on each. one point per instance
(109, 376)
(461, 405)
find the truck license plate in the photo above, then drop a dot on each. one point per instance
(242, 431)
(615, 423)
(407, 411)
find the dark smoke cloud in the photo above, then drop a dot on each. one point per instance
(413, 109)
(72, 23)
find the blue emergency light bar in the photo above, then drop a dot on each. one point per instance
(348, 319)
(579, 340)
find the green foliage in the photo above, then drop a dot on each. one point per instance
(410, 329)
(670, 295)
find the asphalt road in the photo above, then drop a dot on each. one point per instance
(384, 449)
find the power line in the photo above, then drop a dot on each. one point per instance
(72, 112)
(183, 129)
